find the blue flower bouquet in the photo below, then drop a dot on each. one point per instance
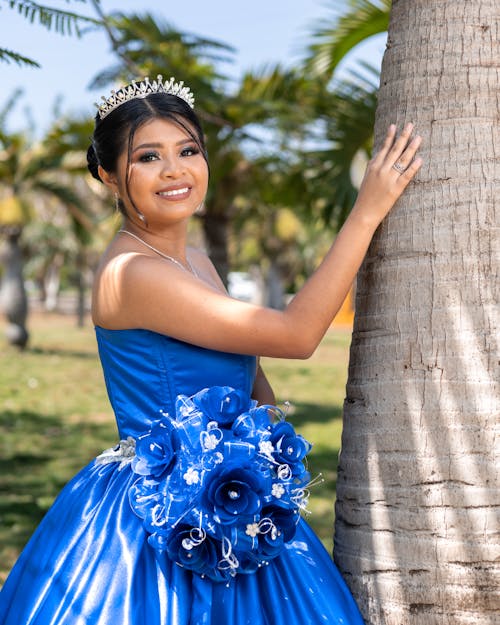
(220, 485)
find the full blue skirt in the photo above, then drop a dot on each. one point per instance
(89, 563)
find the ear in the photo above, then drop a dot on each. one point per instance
(108, 179)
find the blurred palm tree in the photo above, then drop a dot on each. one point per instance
(267, 118)
(346, 109)
(33, 176)
(87, 225)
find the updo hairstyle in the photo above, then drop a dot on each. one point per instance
(115, 133)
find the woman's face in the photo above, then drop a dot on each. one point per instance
(167, 177)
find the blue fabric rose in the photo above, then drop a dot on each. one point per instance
(234, 491)
(193, 550)
(289, 447)
(222, 403)
(284, 518)
(255, 423)
(155, 451)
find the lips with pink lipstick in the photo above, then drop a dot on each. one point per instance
(174, 193)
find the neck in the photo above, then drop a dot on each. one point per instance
(166, 241)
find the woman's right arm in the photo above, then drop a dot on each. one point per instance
(146, 292)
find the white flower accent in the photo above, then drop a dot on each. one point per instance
(210, 442)
(266, 448)
(278, 490)
(252, 529)
(191, 476)
(211, 437)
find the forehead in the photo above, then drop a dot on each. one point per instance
(162, 130)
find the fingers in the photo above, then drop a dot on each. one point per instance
(397, 150)
(399, 144)
(404, 160)
(410, 171)
(386, 146)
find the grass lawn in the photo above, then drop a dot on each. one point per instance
(55, 417)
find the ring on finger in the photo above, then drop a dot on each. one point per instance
(399, 167)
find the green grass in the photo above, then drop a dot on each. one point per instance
(55, 417)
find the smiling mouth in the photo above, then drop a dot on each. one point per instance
(174, 192)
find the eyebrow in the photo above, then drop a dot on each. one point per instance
(160, 145)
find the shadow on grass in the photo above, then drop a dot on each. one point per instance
(21, 424)
(54, 351)
(302, 413)
(39, 454)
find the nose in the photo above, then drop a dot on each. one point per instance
(172, 167)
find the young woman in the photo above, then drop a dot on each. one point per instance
(194, 518)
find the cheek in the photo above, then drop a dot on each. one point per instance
(139, 177)
(204, 174)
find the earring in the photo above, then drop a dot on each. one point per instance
(117, 201)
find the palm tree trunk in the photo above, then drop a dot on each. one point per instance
(80, 283)
(215, 229)
(13, 299)
(417, 534)
(275, 291)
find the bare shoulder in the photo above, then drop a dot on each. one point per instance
(106, 287)
(117, 282)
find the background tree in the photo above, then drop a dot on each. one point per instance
(32, 175)
(13, 297)
(345, 111)
(88, 220)
(417, 492)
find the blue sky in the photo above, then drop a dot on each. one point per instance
(262, 31)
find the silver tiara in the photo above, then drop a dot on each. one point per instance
(141, 90)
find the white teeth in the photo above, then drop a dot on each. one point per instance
(174, 192)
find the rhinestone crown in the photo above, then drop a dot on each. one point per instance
(141, 90)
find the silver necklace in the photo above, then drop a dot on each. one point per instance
(153, 249)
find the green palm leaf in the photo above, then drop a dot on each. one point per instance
(82, 220)
(63, 22)
(8, 56)
(348, 116)
(345, 31)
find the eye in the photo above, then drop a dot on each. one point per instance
(190, 150)
(147, 157)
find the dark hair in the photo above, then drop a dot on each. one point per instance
(116, 131)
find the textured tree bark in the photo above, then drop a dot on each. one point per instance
(418, 494)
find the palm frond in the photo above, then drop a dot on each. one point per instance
(136, 30)
(9, 56)
(149, 46)
(4, 112)
(73, 202)
(332, 42)
(348, 117)
(63, 22)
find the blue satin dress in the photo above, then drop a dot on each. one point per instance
(89, 563)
